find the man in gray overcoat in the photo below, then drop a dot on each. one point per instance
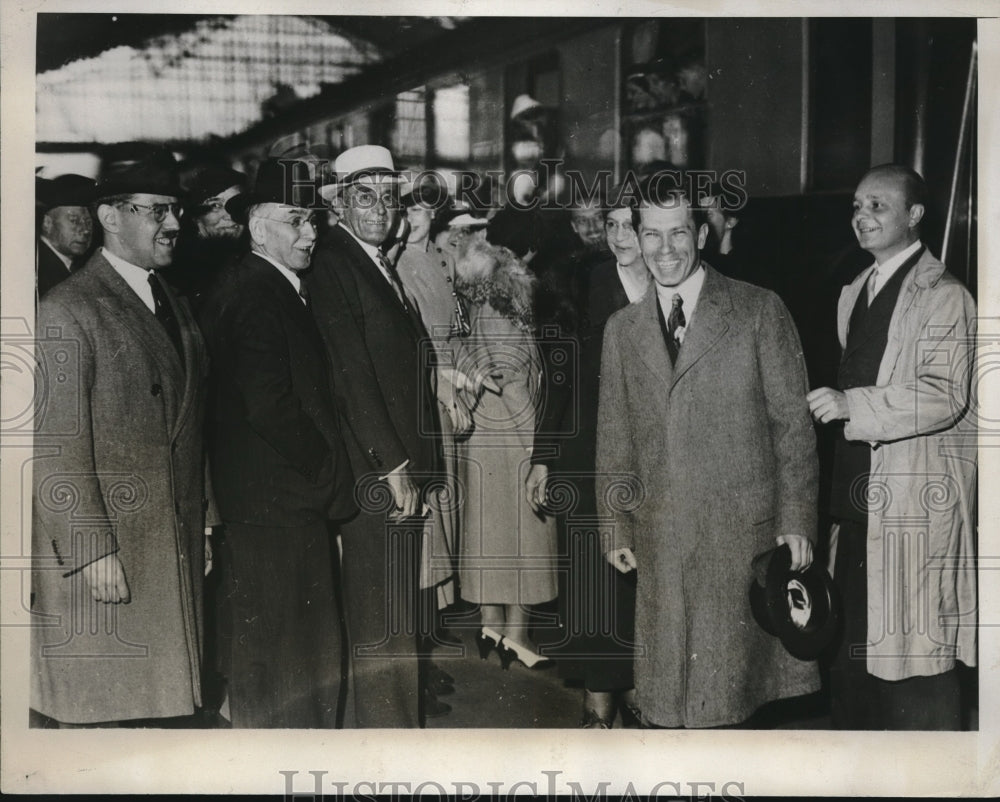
(120, 504)
(706, 457)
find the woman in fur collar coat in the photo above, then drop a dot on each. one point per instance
(508, 552)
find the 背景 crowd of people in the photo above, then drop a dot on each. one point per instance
(360, 404)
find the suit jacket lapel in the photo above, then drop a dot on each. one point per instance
(134, 314)
(709, 323)
(370, 271)
(192, 357)
(648, 340)
(284, 293)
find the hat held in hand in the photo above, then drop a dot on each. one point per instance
(802, 608)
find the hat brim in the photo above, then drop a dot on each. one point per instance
(239, 205)
(331, 191)
(769, 605)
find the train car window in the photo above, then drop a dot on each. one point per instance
(664, 94)
(451, 123)
(409, 133)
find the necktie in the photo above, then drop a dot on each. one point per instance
(872, 281)
(165, 314)
(676, 318)
(304, 293)
(461, 326)
(393, 277)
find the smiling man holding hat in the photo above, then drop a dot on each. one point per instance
(374, 336)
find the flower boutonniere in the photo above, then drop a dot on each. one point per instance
(679, 333)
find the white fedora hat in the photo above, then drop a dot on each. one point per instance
(523, 103)
(372, 162)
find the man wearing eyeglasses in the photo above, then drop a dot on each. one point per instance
(120, 504)
(374, 336)
(278, 466)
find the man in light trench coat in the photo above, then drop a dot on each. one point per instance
(904, 482)
(702, 408)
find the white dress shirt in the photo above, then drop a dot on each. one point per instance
(136, 277)
(884, 272)
(689, 290)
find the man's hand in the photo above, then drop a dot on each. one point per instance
(801, 548)
(622, 559)
(405, 493)
(475, 384)
(461, 417)
(105, 579)
(827, 404)
(535, 484)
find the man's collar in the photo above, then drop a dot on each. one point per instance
(890, 265)
(371, 250)
(689, 290)
(292, 277)
(66, 260)
(118, 262)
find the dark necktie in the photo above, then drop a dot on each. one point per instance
(304, 293)
(165, 313)
(675, 320)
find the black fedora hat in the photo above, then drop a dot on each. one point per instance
(801, 608)
(287, 181)
(138, 167)
(211, 180)
(64, 190)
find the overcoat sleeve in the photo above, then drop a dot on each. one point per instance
(66, 484)
(785, 384)
(615, 460)
(337, 309)
(936, 394)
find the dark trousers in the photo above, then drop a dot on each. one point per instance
(860, 701)
(285, 648)
(380, 567)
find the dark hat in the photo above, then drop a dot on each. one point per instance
(802, 608)
(430, 192)
(133, 167)
(64, 190)
(210, 181)
(288, 181)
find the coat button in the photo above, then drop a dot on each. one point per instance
(156, 389)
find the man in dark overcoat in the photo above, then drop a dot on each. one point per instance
(702, 407)
(384, 386)
(66, 227)
(279, 468)
(120, 505)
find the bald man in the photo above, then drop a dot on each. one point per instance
(904, 473)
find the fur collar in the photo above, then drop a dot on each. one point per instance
(500, 280)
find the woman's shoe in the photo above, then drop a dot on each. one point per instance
(487, 640)
(511, 650)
